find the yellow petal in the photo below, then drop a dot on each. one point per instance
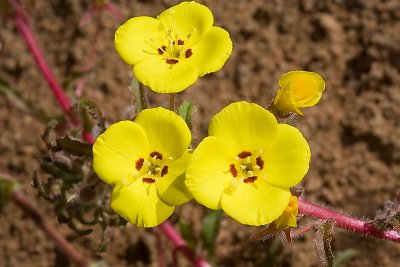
(247, 125)
(166, 131)
(208, 171)
(211, 53)
(287, 159)
(162, 77)
(255, 203)
(139, 204)
(171, 188)
(188, 20)
(117, 149)
(138, 39)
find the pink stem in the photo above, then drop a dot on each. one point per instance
(30, 41)
(74, 256)
(168, 230)
(347, 222)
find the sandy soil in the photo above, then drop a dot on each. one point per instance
(354, 131)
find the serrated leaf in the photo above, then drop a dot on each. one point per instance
(88, 108)
(139, 96)
(185, 110)
(75, 147)
(344, 256)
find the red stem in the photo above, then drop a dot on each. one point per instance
(33, 47)
(180, 245)
(347, 222)
(73, 255)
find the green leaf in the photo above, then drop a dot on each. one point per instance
(74, 147)
(187, 232)
(210, 227)
(186, 110)
(344, 256)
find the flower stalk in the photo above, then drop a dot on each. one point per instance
(29, 38)
(73, 255)
(347, 222)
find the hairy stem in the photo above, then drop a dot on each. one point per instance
(347, 222)
(73, 255)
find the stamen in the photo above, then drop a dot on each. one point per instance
(250, 173)
(188, 53)
(260, 162)
(181, 42)
(244, 154)
(156, 154)
(250, 179)
(161, 50)
(157, 169)
(232, 170)
(139, 164)
(164, 171)
(148, 180)
(171, 61)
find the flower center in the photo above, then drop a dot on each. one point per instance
(152, 168)
(175, 48)
(246, 168)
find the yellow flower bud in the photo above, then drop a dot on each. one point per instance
(288, 217)
(299, 89)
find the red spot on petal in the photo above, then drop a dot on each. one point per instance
(139, 164)
(232, 170)
(156, 154)
(164, 171)
(244, 154)
(260, 162)
(188, 53)
(148, 180)
(181, 42)
(250, 179)
(171, 61)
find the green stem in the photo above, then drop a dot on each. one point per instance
(172, 102)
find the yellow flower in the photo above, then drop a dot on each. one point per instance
(146, 160)
(247, 164)
(169, 53)
(299, 89)
(289, 215)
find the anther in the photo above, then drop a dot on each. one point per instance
(188, 53)
(250, 179)
(139, 164)
(148, 180)
(171, 61)
(232, 170)
(156, 154)
(164, 170)
(244, 154)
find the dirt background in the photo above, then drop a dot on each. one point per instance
(353, 132)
